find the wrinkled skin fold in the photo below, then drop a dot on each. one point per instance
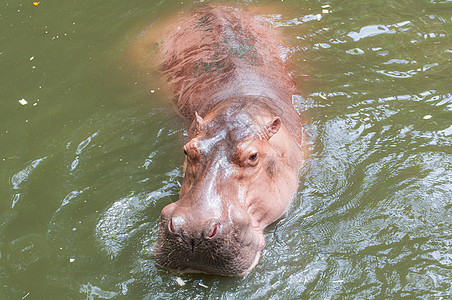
(244, 149)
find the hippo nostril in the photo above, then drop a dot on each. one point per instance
(170, 226)
(213, 230)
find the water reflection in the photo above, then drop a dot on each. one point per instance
(124, 219)
(83, 186)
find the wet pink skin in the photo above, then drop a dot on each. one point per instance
(244, 148)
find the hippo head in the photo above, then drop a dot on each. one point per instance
(239, 177)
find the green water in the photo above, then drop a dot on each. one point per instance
(91, 159)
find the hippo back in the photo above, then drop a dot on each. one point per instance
(221, 52)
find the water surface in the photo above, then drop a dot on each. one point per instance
(91, 159)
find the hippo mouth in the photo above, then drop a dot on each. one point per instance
(225, 255)
(228, 271)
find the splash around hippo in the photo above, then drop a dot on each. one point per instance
(244, 151)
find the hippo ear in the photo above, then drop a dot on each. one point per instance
(199, 119)
(273, 126)
(198, 122)
(196, 125)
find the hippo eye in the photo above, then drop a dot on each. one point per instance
(253, 157)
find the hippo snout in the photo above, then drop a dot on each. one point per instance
(183, 223)
(176, 227)
(206, 245)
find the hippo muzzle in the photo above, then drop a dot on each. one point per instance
(228, 247)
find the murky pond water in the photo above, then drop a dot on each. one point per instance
(91, 155)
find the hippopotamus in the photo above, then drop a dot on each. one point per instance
(244, 149)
